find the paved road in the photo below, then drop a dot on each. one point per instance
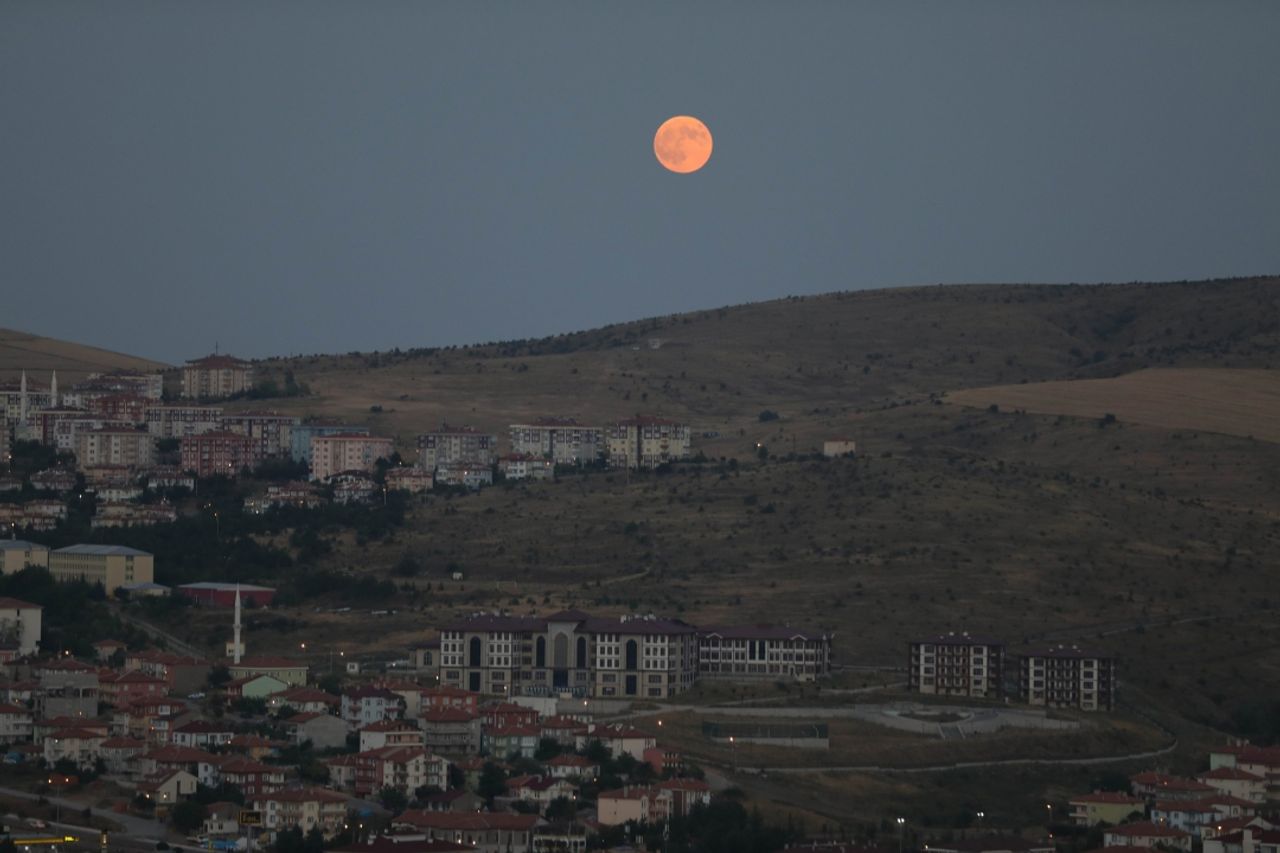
(171, 642)
(133, 825)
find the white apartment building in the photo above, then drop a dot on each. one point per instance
(956, 664)
(456, 445)
(1065, 676)
(180, 421)
(646, 442)
(115, 446)
(563, 441)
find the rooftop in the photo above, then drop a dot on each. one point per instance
(103, 551)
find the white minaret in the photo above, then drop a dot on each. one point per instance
(235, 657)
(22, 400)
(53, 391)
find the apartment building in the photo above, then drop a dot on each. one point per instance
(771, 652)
(646, 442)
(1068, 676)
(122, 408)
(305, 808)
(59, 427)
(115, 445)
(113, 566)
(456, 445)
(17, 554)
(518, 466)
(219, 454)
(956, 664)
(300, 436)
(149, 385)
(562, 440)
(413, 480)
(335, 454)
(20, 626)
(216, 376)
(180, 421)
(272, 431)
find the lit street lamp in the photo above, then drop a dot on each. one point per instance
(902, 831)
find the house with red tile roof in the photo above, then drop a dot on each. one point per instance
(390, 733)
(1147, 834)
(1109, 807)
(1236, 782)
(1153, 786)
(305, 808)
(486, 832)
(571, 766)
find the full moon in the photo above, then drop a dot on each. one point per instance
(682, 144)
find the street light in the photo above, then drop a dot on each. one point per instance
(981, 815)
(902, 831)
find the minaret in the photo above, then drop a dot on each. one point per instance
(235, 639)
(53, 391)
(22, 400)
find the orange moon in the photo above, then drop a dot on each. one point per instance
(682, 144)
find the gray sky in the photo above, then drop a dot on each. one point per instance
(321, 177)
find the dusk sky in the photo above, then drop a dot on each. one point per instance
(307, 177)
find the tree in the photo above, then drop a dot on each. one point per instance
(290, 841)
(561, 808)
(393, 799)
(548, 748)
(493, 782)
(188, 816)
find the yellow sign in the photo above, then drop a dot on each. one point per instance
(248, 818)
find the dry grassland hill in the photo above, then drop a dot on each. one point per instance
(818, 361)
(20, 351)
(1157, 540)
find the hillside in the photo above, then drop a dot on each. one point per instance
(820, 361)
(37, 355)
(1153, 539)
(1224, 400)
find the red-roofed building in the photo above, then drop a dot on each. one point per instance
(403, 768)
(539, 789)
(619, 740)
(118, 753)
(390, 733)
(485, 832)
(305, 808)
(563, 730)
(303, 700)
(664, 760)
(15, 724)
(505, 741)
(1236, 782)
(1146, 834)
(571, 766)
(446, 696)
(123, 688)
(450, 731)
(251, 777)
(202, 734)
(630, 803)
(1161, 786)
(219, 453)
(681, 795)
(1109, 807)
(79, 745)
(1246, 840)
(504, 714)
(365, 705)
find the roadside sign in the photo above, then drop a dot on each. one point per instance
(248, 818)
